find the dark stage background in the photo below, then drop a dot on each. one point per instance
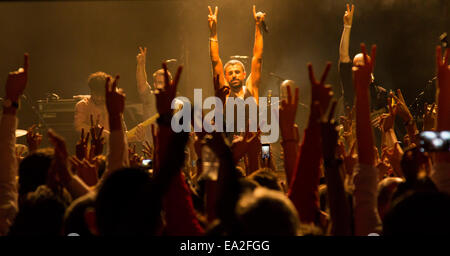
(68, 40)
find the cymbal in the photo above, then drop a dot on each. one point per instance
(20, 133)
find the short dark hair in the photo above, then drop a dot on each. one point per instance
(41, 213)
(74, 218)
(410, 163)
(127, 203)
(255, 211)
(160, 72)
(97, 81)
(33, 170)
(266, 178)
(424, 213)
(232, 63)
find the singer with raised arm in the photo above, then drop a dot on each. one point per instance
(378, 94)
(235, 75)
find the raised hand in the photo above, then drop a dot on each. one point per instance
(165, 95)
(288, 111)
(362, 73)
(258, 16)
(17, 81)
(81, 146)
(140, 58)
(242, 144)
(387, 120)
(212, 20)
(402, 108)
(34, 139)
(320, 92)
(394, 155)
(348, 16)
(135, 159)
(443, 90)
(429, 117)
(59, 173)
(347, 121)
(87, 171)
(443, 70)
(148, 150)
(115, 98)
(349, 157)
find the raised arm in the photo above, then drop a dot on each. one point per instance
(217, 64)
(340, 210)
(304, 188)
(118, 146)
(345, 38)
(288, 109)
(253, 86)
(366, 177)
(364, 135)
(15, 85)
(405, 114)
(443, 120)
(441, 174)
(141, 75)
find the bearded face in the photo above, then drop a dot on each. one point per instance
(235, 76)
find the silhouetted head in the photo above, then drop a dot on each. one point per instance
(74, 217)
(127, 203)
(266, 178)
(235, 74)
(386, 189)
(33, 170)
(415, 164)
(266, 212)
(41, 213)
(426, 213)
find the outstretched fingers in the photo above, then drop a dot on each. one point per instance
(166, 76)
(289, 94)
(374, 53)
(311, 74)
(107, 87)
(296, 97)
(114, 84)
(325, 73)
